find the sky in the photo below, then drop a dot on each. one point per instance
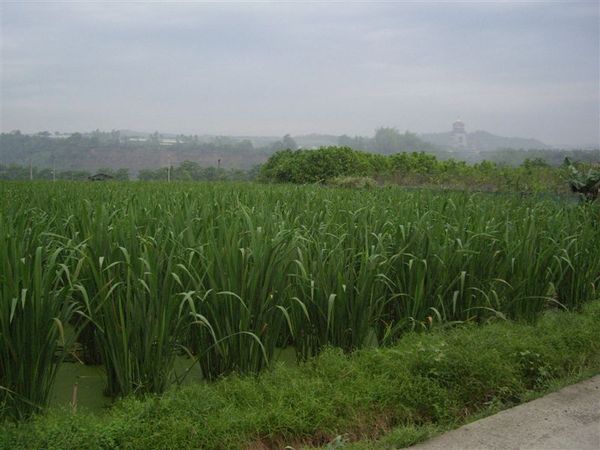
(528, 69)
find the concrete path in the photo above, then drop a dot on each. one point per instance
(565, 420)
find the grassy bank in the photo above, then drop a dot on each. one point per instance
(427, 381)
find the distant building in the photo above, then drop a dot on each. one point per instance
(459, 136)
(100, 177)
(161, 141)
(58, 135)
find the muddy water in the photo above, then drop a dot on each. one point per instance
(91, 381)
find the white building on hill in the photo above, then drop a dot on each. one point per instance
(459, 136)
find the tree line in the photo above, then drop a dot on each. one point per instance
(329, 164)
(115, 150)
(192, 171)
(19, 172)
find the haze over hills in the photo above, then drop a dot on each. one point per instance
(305, 140)
(483, 141)
(140, 150)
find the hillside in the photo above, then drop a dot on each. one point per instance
(484, 141)
(111, 150)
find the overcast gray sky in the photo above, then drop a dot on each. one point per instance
(512, 68)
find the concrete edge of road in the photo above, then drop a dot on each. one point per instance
(568, 419)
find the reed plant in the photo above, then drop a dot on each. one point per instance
(137, 314)
(238, 280)
(35, 307)
(229, 273)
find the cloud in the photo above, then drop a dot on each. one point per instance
(516, 68)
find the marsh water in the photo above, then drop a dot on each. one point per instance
(91, 381)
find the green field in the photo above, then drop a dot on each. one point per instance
(140, 276)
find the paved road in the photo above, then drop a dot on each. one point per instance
(565, 420)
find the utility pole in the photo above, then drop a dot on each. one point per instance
(169, 171)
(30, 170)
(53, 168)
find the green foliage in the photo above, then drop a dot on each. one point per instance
(36, 283)
(85, 152)
(421, 163)
(192, 171)
(118, 174)
(534, 162)
(551, 157)
(317, 166)
(237, 274)
(134, 307)
(587, 184)
(230, 272)
(16, 172)
(424, 383)
(412, 169)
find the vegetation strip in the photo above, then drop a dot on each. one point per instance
(432, 379)
(229, 274)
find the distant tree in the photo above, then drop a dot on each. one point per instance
(289, 142)
(245, 145)
(387, 140)
(534, 162)
(346, 141)
(154, 138)
(115, 137)
(118, 174)
(187, 170)
(77, 175)
(121, 174)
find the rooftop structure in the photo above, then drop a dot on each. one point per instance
(459, 135)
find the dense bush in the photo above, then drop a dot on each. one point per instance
(412, 169)
(317, 166)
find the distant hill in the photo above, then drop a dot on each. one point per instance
(482, 141)
(316, 140)
(139, 150)
(485, 142)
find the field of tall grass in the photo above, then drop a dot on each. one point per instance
(132, 275)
